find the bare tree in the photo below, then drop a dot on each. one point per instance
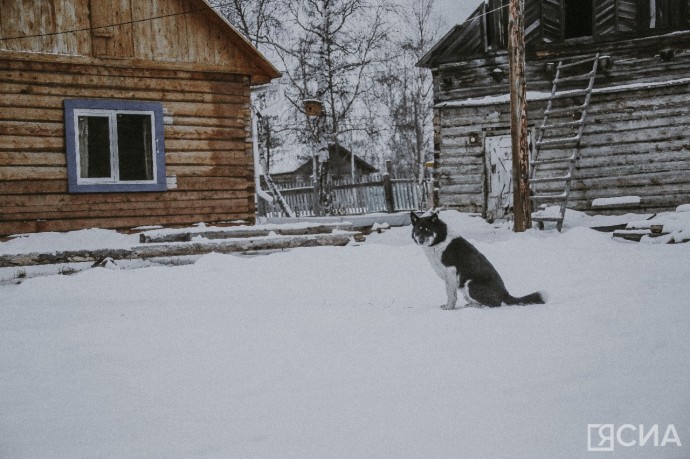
(332, 47)
(407, 90)
(256, 19)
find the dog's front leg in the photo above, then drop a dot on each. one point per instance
(452, 285)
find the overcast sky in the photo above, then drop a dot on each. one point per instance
(456, 11)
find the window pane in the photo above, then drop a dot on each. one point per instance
(94, 147)
(134, 147)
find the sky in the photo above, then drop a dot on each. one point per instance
(456, 11)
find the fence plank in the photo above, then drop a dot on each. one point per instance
(367, 195)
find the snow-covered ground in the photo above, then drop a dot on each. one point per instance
(344, 352)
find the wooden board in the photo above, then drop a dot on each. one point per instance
(183, 31)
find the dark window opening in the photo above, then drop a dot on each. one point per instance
(94, 146)
(134, 147)
(578, 18)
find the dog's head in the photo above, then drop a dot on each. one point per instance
(428, 230)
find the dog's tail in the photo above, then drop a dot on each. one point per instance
(532, 298)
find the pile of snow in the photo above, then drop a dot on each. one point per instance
(575, 218)
(676, 225)
(51, 242)
(93, 239)
(344, 352)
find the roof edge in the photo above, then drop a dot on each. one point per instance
(263, 63)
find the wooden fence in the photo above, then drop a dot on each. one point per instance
(374, 193)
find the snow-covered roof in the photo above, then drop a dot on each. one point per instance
(285, 160)
(288, 160)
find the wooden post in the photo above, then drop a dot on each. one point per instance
(518, 117)
(388, 187)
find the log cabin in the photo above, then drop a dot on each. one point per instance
(118, 114)
(608, 105)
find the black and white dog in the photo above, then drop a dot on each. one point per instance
(462, 266)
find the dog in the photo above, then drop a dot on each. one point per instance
(462, 266)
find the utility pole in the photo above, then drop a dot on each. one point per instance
(518, 117)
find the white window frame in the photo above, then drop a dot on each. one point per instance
(108, 108)
(114, 146)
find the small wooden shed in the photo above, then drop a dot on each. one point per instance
(120, 114)
(635, 139)
(285, 167)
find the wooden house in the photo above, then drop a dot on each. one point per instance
(286, 166)
(626, 135)
(119, 114)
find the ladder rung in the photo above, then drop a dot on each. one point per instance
(558, 142)
(537, 162)
(568, 109)
(550, 179)
(570, 93)
(567, 65)
(549, 197)
(560, 125)
(584, 76)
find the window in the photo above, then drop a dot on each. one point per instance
(578, 19)
(114, 146)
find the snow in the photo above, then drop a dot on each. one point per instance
(615, 201)
(344, 352)
(92, 239)
(50, 242)
(676, 224)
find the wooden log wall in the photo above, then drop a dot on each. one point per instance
(208, 144)
(636, 142)
(634, 61)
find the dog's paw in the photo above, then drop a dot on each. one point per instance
(447, 307)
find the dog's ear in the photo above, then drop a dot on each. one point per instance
(414, 218)
(434, 217)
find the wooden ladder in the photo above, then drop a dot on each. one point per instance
(557, 146)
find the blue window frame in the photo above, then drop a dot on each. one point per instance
(114, 146)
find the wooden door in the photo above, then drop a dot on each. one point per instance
(500, 176)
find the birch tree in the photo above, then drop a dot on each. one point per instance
(332, 47)
(407, 89)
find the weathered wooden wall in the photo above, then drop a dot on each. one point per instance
(208, 144)
(152, 30)
(635, 61)
(635, 143)
(636, 140)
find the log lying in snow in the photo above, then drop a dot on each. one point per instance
(250, 244)
(636, 235)
(244, 244)
(239, 232)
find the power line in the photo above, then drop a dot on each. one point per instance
(89, 29)
(163, 16)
